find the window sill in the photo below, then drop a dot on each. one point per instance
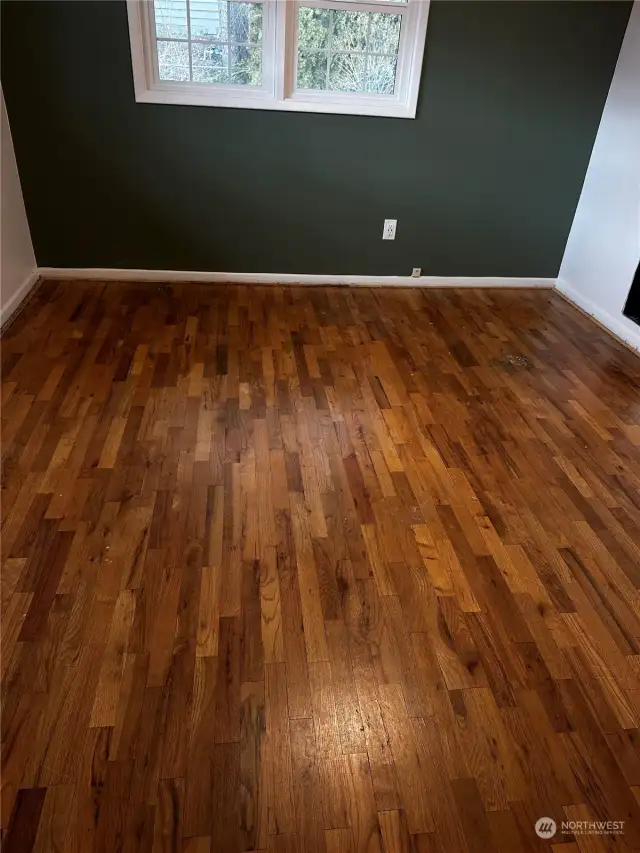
(258, 99)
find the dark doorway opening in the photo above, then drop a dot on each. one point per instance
(632, 305)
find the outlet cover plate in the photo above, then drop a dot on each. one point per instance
(389, 229)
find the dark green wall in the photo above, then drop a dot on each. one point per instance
(483, 182)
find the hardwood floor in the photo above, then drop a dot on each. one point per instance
(314, 569)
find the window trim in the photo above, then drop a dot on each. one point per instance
(279, 62)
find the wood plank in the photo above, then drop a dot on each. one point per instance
(407, 761)
(278, 757)
(307, 786)
(362, 808)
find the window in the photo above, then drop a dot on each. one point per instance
(337, 56)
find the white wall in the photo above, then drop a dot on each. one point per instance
(17, 261)
(604, 244)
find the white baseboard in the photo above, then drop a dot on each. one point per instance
(618, 326)
(107, 274)
(13, 303)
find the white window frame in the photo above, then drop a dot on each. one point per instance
(279, 60)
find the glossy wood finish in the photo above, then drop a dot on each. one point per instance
(334, 570)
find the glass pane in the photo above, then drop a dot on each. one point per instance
(245, 23)
(173, 60)
(360, 49)
(210, 63)
(313, 27)
(312, 69)
(171, 18)
(381, 74)
(246, 65)
(384, 33)
(208, 19)
(346, 72)
(350, 30)
(218, 20)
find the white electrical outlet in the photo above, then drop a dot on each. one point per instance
(417, 272)
(389, 229)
